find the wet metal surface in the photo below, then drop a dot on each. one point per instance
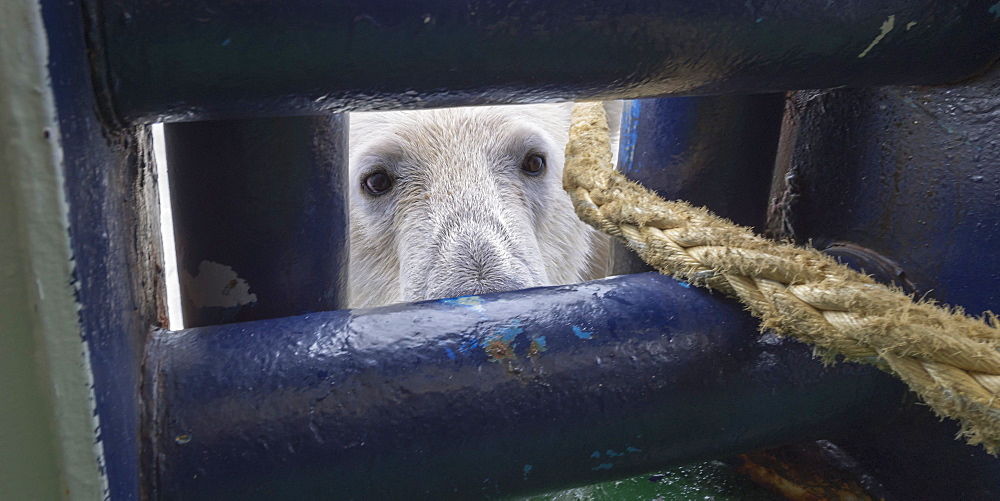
(166, 60)
(260, 216)
(486, 396)
(912, 174)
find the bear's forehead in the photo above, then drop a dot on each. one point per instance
(450, 128)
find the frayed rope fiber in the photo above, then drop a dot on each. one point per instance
(949, 359)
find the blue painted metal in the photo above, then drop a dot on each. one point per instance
(487, 396)
(266, 198)
(168, 60)
(909, 173)
(112, 210)
(716, 152)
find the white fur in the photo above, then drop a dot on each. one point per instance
(462, 218)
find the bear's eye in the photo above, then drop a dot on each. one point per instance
(377, 183)
(533, 164)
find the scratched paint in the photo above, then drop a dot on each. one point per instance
(468, 346)
(582, 334)
(883, 31)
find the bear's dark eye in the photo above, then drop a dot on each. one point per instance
(533, 164)
(377, 183)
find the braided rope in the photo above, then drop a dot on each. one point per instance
(950, 360)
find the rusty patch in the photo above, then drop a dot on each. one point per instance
(803, 473)
(499, 350)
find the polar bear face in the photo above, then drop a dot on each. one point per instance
(462, 201)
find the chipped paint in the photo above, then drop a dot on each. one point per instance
(910, 25)
(217, 285)
(537, 346)
(474, 303)
(527, 470)
(603, 466)
(498, 350)
(883, 31)
(451, 354)
(499, 343)
(995, 10)
(595, 454)
(582, 334)
(507, 334)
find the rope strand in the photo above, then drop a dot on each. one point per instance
(949, 359)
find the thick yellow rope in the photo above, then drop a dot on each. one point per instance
(951, 360)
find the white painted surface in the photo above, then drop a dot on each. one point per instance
(174, 314)
(49, 376)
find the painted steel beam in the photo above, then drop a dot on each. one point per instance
(908, 173)
(260, 216)
(714, 151)
(169, 61)
(488, 396)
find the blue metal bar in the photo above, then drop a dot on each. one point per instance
(111, 210)
(715, 151)
(497, 395)
(909, 173)
(166, 60)
(260, 216)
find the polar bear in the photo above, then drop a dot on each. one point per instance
(462, 201)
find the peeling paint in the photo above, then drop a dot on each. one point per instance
(883, 31)
(217, 285)
(499, 350)
(499, 343)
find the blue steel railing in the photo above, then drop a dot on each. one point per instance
(316, 405)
